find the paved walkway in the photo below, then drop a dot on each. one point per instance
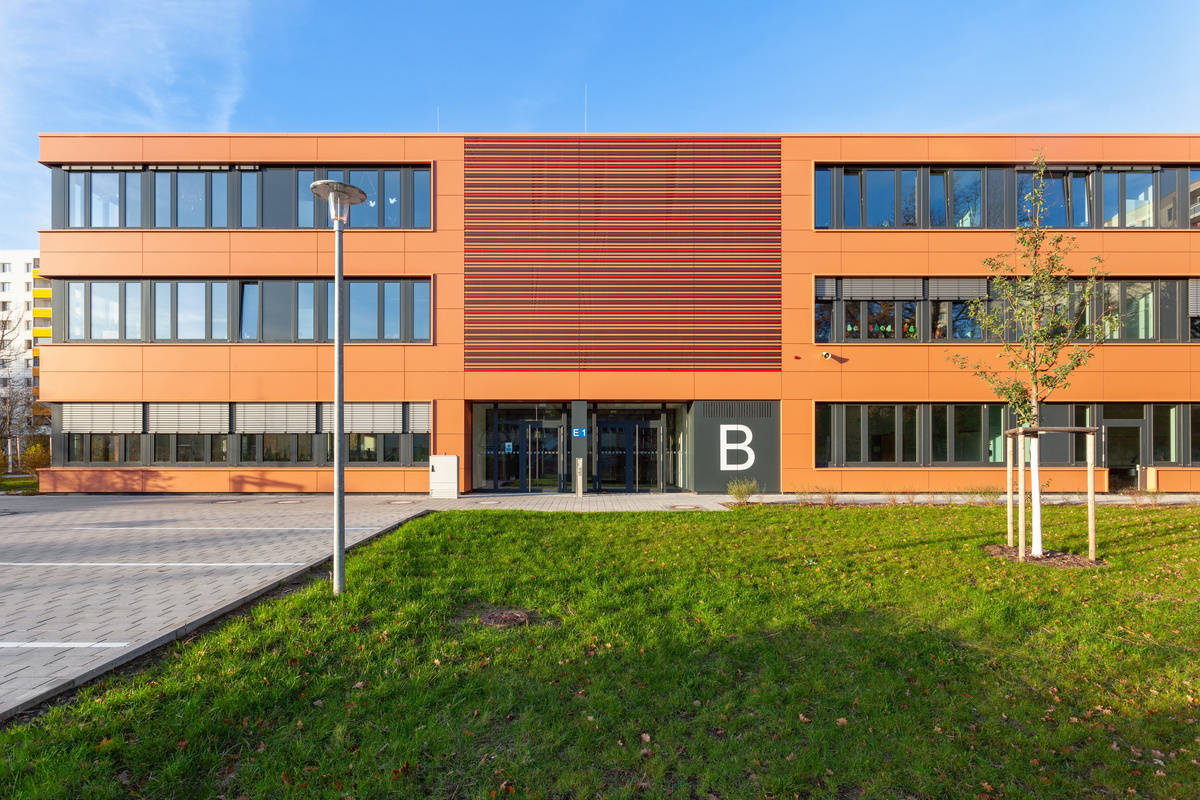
(88, 582)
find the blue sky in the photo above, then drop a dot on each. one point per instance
(215, 65)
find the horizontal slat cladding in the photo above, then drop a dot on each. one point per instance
(622, 253)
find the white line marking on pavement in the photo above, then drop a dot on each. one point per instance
(57, 645)
(100, 526)
(151, 563)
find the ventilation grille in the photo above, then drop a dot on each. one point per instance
(102, 418)
(275, 417)
(737, 409)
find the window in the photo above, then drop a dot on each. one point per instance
(1164, 434)
(276, 448)
(76, 199)
(103, 448)
(1139, 199)
(364, 309)
(133, 199)
(106, 304)
(162, 199)
(967, 198)
(870, 434)
(365, 214)
(106, 199)
(249, 199)
(1134, 302)
(219, 199)
(304, 198)
(191, 448)
(937, 198)
(103, 310)
(822, 196)
(823, 321)
(249, 312)
(190, 310)
(881, 198)
(851, 199)
(191, 199)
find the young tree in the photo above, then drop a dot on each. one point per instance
(1045, 318)
(19, 410)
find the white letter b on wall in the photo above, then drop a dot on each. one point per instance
(743, 445)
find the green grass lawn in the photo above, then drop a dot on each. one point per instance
(18, 483)
(764, 652)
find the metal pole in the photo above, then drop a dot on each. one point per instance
(1021, 492)
(1091, 489)
(1008, 465)
(339, 465)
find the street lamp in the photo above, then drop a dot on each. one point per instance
(340, 196)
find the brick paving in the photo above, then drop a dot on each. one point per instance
(88, 582)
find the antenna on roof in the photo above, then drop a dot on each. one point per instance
(437, 113)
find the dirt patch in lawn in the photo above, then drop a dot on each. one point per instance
(502, 616)
(1050, 558)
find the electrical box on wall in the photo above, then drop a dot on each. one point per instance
(443, 477)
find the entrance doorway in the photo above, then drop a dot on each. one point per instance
(524, 449)
(1123, 454)
(628, 456)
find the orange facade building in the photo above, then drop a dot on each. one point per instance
(675, 310)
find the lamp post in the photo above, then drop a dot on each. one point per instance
(340, 196)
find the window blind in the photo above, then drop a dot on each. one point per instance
(188, 418)
(882, 289)
(275, 417)
(957, 288)
(826, 288)
(1194, 297)
(380, 417)
(102, 418)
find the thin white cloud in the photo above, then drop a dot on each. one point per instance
(108, 65)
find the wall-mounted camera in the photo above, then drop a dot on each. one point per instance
(826, 356)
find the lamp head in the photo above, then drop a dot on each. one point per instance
(340, 196)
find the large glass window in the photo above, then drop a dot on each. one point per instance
(190, 314)
(1168, 210)
(937, 198)
(1165, 434)
(422, 312)
(191, 201)
(106, 199)
(968, 433)
(1193, 198)
(106, 310)
(219, 316)
(76, 199)
(133, 311)
(162, 310)
(249, 311)
(189, 447)
(304, 198)
(881, 433)
(1081, 200)
(851, 199)
(881, 319)
(967, 206)
(277, 311)
(1111, 198)
(391, 198)
(220, 199)
(364, 310)
(881, 198)
(366, 213)
(853, 441)
(1139, 199)
(823, 320)
(422, 199)
(249, 199)
(305, 311)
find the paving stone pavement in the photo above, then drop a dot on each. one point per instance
(88, 582)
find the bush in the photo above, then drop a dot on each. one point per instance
(742, 489)
(35, 457)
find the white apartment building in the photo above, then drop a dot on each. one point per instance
(24, 316)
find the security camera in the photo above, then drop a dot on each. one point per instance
(826, 356)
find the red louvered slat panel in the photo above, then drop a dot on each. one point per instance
(622, 253)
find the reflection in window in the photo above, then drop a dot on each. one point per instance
(277, 447)
(1081, 214)
(133, 311)
(1139, 199)
(249, 197)
(908, 320)
(964, 325)
(937, 198)
(189, 447)
(276, 311)
(391, 198)
(941, 439)
(1138, 317)
(219, 329)
(365, 214)
(908, 417)
(422, 311)
(908, 198)
(106, 199)
(391, 310)
(1193, 198)
(249, 448)
(1110, 215)
(824, 434)
(422, 199)
(190, 310)
(133, 199)
(361, 447)
(220, 199)
(106, 305)
(304, 198)
(822, 197)
(75, 310)
(305, 315)
(391, 447)
(162, 199)
(940, 319)
(104, 447)
(881, 319)
(968, 198)
(853, 324)
(823, 321)
(162, 310)
(851, 199)
(364, 310)
(1168, 213)
(76, 199)
(190, 200)
(249, 311)
(881, 198)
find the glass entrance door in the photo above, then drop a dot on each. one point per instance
(1123, 454)
(628, 456)
(528, 456)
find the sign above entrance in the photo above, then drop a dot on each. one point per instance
(578, 433)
